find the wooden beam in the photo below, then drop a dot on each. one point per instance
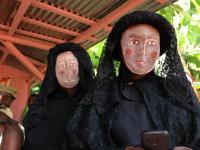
(49, 26)
(63, 12)
(54, 28)
(22, 59)
(42, 70)
(117, 13)
(107, 28)
(4, 27)
(34, 61)
(40, 36)
(162, 1)
(5, 55)
(29, 38)
(25, 42)
(34, 35)
(20, 13)
(66, 13)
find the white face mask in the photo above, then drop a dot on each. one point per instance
(67, 70)
(140, 48)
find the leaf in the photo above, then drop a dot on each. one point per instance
(197, 85)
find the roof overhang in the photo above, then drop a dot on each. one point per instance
(29, 28)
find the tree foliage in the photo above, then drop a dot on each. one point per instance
(185, 16)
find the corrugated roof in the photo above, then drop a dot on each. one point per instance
(36, 25)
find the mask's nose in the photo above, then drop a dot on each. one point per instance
(141, 50)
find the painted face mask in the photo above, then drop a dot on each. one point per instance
(140, 48)
(67, 70)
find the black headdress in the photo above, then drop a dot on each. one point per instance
(38, 108)
(168, 44)
(171, 67)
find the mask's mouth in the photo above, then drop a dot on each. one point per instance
(140, 63)
(70, 80)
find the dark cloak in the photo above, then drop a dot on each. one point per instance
(37, 110)
(169, 97)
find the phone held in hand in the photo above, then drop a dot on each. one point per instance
(155, 140)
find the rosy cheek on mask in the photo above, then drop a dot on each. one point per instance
(128, 52)
(153, 55)
(75, 72)
(61, 72)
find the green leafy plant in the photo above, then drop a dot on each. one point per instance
(95, 53)
(35, 89)
(185, 16)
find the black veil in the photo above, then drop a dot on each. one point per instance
(171, 68)
(49, 84)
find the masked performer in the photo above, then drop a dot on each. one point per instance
(121, 107)
(68, 77)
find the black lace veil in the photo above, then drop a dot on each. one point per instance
(171, 67)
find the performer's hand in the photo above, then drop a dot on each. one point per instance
(181, 148)
(133, 148)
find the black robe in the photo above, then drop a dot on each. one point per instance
(49, 133)
(92, 122)
(45, 122)
(169, 98)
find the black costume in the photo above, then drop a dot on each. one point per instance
(131, 117)
(45, 123)
(167, 101)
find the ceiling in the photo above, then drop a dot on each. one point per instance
(29, 28)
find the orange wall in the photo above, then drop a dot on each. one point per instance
(19, 81)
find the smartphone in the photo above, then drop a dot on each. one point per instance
(155, 140)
